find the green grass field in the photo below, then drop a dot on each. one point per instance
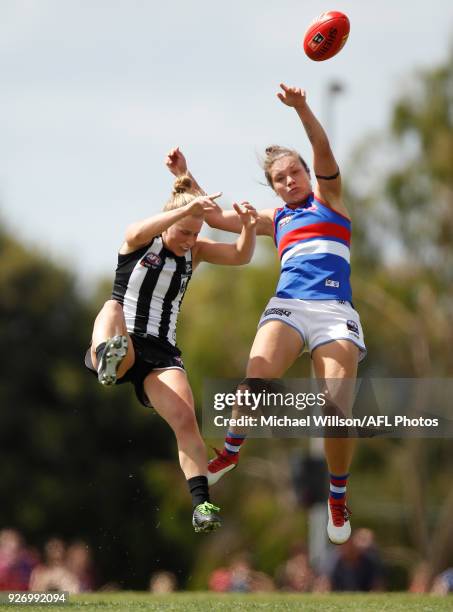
(199, 602)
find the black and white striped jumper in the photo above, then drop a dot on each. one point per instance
(150, 284)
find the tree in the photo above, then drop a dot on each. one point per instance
(75, 457)
(401, 187)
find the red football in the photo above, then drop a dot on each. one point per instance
(326, 35)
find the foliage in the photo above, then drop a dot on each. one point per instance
(81, 461)
(73, 457)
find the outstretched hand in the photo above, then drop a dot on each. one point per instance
(247, 214)
(176, 162)
(203, 204)
(292, 96)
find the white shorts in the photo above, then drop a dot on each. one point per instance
(317, 321)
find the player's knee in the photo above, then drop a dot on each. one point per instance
(113, 307)
(260, 368)
(185, 422)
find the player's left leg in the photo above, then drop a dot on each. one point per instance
(336, 364)
(274, 350)
(170, 394)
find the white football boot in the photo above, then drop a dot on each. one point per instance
(338, 525)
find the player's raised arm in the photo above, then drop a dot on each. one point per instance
(326, 168)
(237, 253)
(228, 220)
(177, 164)
(140, 233)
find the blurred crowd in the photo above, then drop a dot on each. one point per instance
(59, 567)
(354, 566)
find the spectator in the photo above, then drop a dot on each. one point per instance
(79, 561)
(162, 582)
(219, 580)
(420, 578)
(443, 583)
(53, 575)
(357, 565)
(240, 577)
(296, 574)
(240, 574)
(16, 562)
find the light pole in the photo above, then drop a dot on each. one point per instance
(333, 90)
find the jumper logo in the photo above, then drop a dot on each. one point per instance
(183, 286)
(151, 260)
(188, 267)
(277, 311)
(332, 283)
(284, 221)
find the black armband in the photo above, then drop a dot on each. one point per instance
(328, 178)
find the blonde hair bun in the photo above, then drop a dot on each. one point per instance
(183, 184)
(183, 192)
(272, 149)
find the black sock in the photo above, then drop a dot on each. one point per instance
(99, 350)
(198, 487)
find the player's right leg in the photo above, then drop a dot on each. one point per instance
(112, 351)
(335, 364)
(275, 348)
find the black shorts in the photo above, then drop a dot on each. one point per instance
(150, 354)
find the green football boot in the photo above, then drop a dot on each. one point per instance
(205, 517)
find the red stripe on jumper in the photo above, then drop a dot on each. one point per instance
(314, 230)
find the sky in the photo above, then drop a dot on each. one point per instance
(94, 93)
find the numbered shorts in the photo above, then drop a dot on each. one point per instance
(150, 354)
(317, 321)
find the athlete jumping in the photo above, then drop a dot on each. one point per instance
(134, 335)
(312, 306)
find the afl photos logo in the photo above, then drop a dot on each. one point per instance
(151, 260)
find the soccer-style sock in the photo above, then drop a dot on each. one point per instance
(337, 492)
(198, 487)
(233, 443)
